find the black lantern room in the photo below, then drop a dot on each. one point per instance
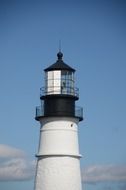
(59, 94)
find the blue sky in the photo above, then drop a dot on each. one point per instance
(93, 35)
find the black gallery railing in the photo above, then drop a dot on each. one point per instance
(67, 90)
(78, 112)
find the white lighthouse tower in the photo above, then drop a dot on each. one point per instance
(58, 164)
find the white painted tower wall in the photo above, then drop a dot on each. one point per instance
(58, 166)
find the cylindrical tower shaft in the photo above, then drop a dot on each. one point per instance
(58, 155)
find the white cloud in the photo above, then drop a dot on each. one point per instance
(14, 164)
(11, 152)
(16, 169)
(104, 173)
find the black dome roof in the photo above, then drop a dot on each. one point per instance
(59, 64)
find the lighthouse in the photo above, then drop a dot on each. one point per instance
(58, 157)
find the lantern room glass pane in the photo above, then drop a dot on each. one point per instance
(53, 82)
(67, 82)
(49, 82)
(57, 83)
